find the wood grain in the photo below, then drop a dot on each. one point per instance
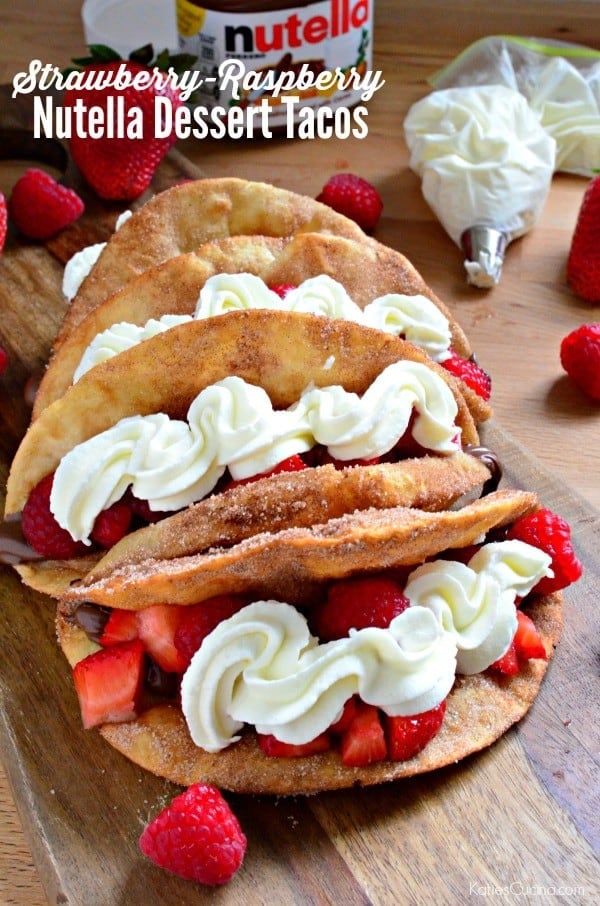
(526, 811)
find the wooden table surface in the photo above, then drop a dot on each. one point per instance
(515, 328)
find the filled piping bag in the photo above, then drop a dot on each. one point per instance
(505, 115)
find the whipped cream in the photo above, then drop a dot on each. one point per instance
(416, 318)
(262, 666)
(476, 603)
(80, 264)
(232, 424)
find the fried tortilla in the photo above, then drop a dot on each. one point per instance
(366, 271)
(480, 707)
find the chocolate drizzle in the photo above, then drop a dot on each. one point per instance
(491, 462)
(91, 618)
(14, 548)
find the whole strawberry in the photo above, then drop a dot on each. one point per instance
(580, 357)
(40, 206)
(196, 837)
(583, 263)
(354, 197)
(121, 167)
(3, 220)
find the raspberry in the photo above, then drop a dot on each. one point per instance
(40, 207)
(112, 524)
(550, 533)
(580, 357)
(198, 620)
(42, 531)
(3, 220)
(196, 837)
(354, 197)
(282, 289)
(469, 371)
(357, 603)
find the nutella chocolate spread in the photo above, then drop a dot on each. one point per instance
(301, 54)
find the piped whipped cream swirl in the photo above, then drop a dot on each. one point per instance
(476, 602)
(262, 666)
(232, 424)
(80, 264)
(416, 318)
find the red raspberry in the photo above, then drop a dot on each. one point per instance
(3, 220)
(42, 531)
(407, 736)
(40, 207)
(469, 371)
(550, 533)
(198, 620)
(196, 837)
(354, 197)
(357, 603)
(112, 524)
(282, 289)
(580, 357)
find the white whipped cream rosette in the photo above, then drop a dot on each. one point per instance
(485, 162)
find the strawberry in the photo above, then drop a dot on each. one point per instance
(196, 837)
(3, 360)
(198, 620)
(282, 289)
(121, 167)
(41, 207)
(469, 371)
(550, 533)
(112, 524)
(121, 626)
(293, 463)
(354, 197)
(157, 626)
(583, 261)
(109, 683)
(356, 603)
(274, 748)
(3, 220)
(580, 357)
(528, 642)
(364, 740)
(508, 663)
(348, 714)
(407, 736)
(42, 531)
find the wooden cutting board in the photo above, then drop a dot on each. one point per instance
(521, 816)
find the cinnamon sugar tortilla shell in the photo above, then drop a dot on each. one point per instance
(271, 504)
(292, 565)
(173, 287)
(166, 373)
(182, 218)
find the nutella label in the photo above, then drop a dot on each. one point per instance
(281, 61)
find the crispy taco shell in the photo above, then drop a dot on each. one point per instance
(480, 708)
(282, 354)
(173, 288)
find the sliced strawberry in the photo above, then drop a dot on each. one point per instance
(157, 626)
(348, 714)
(293, 463)
(276, 749)
(407, 736)
(364, 740)
(198, 620)
(528, 642)
(508, 663)
(109, 683)
(121, 626)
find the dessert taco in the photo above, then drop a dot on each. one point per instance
(371, 647)
(272, 393)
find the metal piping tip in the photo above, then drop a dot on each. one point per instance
(484, 247)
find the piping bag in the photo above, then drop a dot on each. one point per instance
(504, 116)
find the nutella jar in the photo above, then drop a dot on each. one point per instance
(279, 55)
